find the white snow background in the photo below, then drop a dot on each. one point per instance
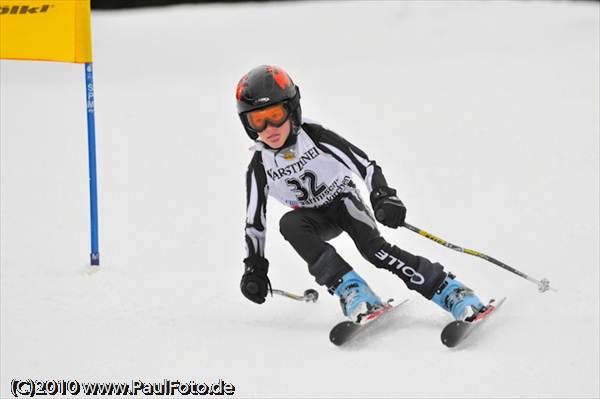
(484, 116)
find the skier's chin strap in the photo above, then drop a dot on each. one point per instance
(290, 141)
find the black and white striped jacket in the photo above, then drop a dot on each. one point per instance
(308, 174)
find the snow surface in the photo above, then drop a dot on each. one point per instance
(483, 116)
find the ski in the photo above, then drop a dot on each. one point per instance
(346, 331)
(455, 332)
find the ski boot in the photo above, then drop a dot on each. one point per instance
(356, 298)
(454, 297)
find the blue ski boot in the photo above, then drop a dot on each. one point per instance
(356, 298)
(458, 299)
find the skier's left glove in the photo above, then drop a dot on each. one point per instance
(388, 208)
(255, 283)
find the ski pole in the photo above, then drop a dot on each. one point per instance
(543, 284)
(309, 295)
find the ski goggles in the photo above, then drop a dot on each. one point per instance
(275, 115)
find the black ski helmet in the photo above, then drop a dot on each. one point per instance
(264, 86)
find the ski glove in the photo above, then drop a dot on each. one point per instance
(255, 284)
(389, 210)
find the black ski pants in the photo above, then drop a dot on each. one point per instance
(308, 231)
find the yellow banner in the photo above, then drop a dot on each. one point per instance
(49, 30)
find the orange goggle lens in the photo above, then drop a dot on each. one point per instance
(275, 115)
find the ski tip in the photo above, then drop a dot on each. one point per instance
(454, 332)
(339, 334)
(346, 330)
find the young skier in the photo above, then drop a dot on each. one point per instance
(309, 168)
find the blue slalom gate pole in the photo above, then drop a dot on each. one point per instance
(91, 124)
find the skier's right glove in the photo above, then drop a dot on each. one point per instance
(255, 284)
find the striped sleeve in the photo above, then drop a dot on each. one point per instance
(256, 206)
(345, 152)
